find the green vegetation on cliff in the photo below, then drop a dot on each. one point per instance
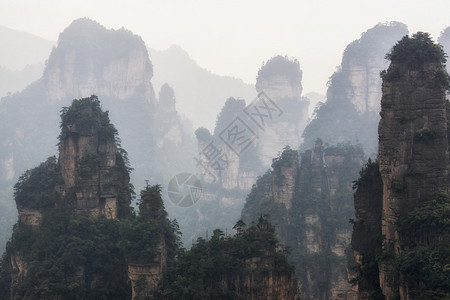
(70, 254)
(350, 113)
(222, 266)
(418, 48)
(425, 257)
(84, 116)
(36, 188)
(313, 224)
(69, 243)
(401, 235)
(367, 237)
(281, 66)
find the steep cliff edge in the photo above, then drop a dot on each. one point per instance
(413, 167)
(309, 198)
(114, 65)
(350, 113)
(249, 265)
(84, 63)
(77, 235)
(280, 79)
(366, 235)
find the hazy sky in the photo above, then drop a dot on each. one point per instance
(233, 37)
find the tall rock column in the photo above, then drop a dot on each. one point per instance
(280, 79)
(88, 158)
(413, 142)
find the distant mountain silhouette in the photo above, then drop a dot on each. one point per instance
(19, 49)
(200, 93)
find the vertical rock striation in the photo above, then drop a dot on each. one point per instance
(310, 201)
(413, 168)
(350, 113)
(413, 145)
(280, 79)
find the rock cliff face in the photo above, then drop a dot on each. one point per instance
(114, 65)
(280, 79)
(145, 277)
(90, 65)
(310, 201)
(413, 168)
(87, 159)
(74, 209)
(354, 91)
(367, 236)
(247, 136)
(249, 265)
(444, 41)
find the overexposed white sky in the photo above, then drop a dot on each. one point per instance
(233, 37)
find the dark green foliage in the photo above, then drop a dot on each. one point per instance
(36, 188)
(78, 257)
(367, 237)
(71, 256)
(284, 160)
(419, 48)
(366, 174)
(429, 268)
(75, 257)
(151, 230)
(425, 258)
(5, 277)
(125, 190)
(311, 200)
(260, 201)
(431, 219)
(392, 76)
(211, 268)
(89, 165)
(85, 116)
(281, 66)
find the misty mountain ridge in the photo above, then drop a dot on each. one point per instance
(200, 93)
(19, 49)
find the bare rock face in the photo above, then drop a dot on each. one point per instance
(412, 171)
(145, 277)
(88, 158)
(280, 79)
(413, 149)
(350, 113)
(91, 67)
(285, 179)
(366, 236)
(254, 285)
(311, 201)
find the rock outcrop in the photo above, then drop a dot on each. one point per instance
(87, 159)
(91, 65)
(413, 168)
(77, 210)
(350, 113)
(249, 265)
(114, 65)
(310, 201)
(280, 79)
(246, 137)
